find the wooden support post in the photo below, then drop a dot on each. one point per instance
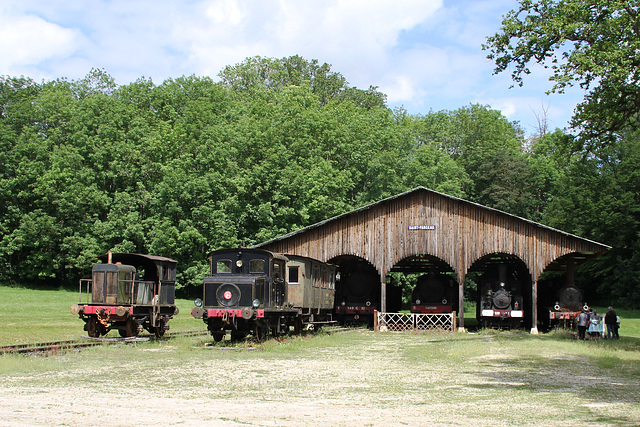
(534, 307)
(383, 297)
(376, 327)
(461, 305)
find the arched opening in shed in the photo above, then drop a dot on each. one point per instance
(427, 283)
(358, 291)
(504, 289)
(560, 298)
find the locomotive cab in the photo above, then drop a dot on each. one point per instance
(112, 283)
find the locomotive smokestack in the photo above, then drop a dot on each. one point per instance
(502, 274)
(110, 258)
(571, 281)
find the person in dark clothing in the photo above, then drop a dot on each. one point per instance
(582, 319)
(611, 320)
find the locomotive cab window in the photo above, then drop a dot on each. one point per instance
(256, 266)
(223, 266)
(294, 274)
(277, 270)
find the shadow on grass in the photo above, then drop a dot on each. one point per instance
(588, 381)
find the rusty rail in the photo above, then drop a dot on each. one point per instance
(59, 347)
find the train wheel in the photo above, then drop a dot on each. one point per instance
(297, 326)
(238, 335)
(131, 328)
(260, 332)
(159, 329)
(93, 330)
(218, 336)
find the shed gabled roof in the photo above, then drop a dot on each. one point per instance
(417, 190)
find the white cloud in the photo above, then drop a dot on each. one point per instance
(424, 54)
(350, 33)
(28, 40)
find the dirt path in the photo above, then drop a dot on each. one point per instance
(370, 380)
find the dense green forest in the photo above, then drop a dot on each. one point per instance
(191, 165)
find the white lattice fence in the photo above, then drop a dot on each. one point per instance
(413, 322)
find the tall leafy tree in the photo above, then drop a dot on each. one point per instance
(489, 149)
(598, 197)
(591, 43)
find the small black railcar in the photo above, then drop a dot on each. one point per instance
(128, 292)
(254, 291)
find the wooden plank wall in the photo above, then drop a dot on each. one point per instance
(464, 232)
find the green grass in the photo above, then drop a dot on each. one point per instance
(353, 378)
(28, 315)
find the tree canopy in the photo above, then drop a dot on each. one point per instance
(191, 165)
(592, 43)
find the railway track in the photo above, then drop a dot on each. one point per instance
(59, 347)
(51, 348)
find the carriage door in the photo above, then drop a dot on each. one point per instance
(278, 288)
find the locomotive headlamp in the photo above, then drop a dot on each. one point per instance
(368, 303)
(343, 303)
(444, 300)
(239, 263)
(417, 301)
(198, 302)
(256, 303)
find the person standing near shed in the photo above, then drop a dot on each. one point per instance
(596, 329)
(611, 320)
(582, 320)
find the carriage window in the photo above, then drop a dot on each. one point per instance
(294, 274)
(256, 266)
(223, 266)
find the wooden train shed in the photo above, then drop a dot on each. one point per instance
(422, 230)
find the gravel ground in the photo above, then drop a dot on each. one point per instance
(360, 378)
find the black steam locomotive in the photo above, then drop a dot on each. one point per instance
(254, 291)
(358, 294)
(569, 303)
(434, 294)
(500, 298)
(128, 292)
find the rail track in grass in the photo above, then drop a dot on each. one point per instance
(50, 348)
(59, 347)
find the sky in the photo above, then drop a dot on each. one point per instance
(425, 55)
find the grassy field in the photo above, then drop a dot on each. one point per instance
(28, 315)
(352, 378)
